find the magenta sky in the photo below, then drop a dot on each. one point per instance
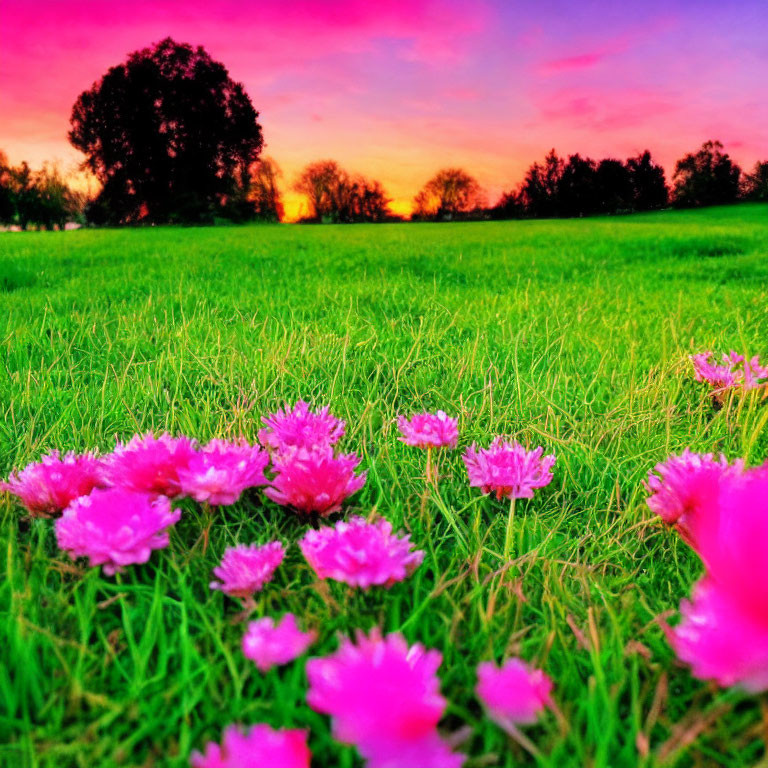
(397, 89)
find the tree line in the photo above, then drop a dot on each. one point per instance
(42, 199)
(553, 188)
(336, 196)
(581, 186)
(171, 138)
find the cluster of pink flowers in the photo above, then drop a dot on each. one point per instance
(217, 473)
(382, 695)
(735, 371)
(722, 512)
(308, 476)
(507, 469)
(360, 554)
(116, 509)
(261, 746)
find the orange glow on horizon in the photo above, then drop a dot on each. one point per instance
(296, 207)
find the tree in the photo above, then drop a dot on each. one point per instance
(708, 177)
(367, 201)
(24, 195)
(509, 206)
(756, 183)
(451, 193)
(322, 184)
(42, 199)
(649, 187)
(577, 187)
(7, 203)
(336, 196)
(264, 192)
(54, 202)
(540, 187)
(613, 186)
(169, 135)
(582, 187)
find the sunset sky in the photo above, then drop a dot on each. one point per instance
(396, 90)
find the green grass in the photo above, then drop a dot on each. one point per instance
(569, 334)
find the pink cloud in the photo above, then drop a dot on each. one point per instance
(570, 63)
(599, 112)
(595, 52)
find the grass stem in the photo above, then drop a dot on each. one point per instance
(510, 529)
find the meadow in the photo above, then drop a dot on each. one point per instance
(573, 335)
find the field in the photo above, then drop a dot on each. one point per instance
(572, 335)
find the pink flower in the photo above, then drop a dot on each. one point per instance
(719, 376)
(245, 569)
(150, 464)
(720, 641)
(507, 469)
(724, 632)
(735, 371)
(682, 484)
(513, 694)
(429, 430)
(300, 428)
(47, 487)
(260, 747)
(754, 371)
(115, 527)
(732, 536)
(221, 471)
(360, 553)
(429, 751)
(315, 480)
(269, 644)
(384, 697)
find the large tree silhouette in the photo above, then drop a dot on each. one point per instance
(708, 177)
(169, 135)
